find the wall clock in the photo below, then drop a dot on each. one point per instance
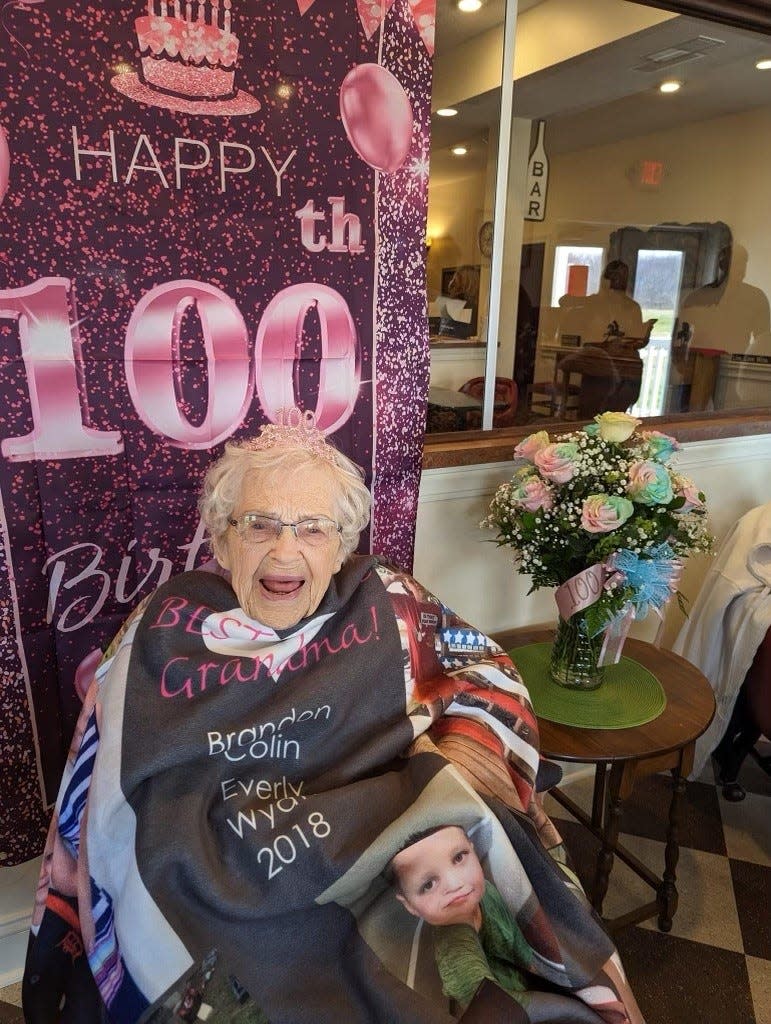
(485, 239)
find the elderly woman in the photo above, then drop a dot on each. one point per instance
(263, 739)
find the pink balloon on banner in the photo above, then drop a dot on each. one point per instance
(377, 116)
(5, 163)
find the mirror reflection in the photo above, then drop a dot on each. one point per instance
(636, 270)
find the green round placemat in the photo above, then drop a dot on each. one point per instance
(629, 695)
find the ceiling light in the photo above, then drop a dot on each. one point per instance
(469, 6)
(447, 112)
(670, 86)
(459, 150)
(764, 65)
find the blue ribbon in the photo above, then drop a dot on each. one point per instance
(652, 578)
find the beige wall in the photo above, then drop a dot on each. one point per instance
(456, 209)
(558, 30)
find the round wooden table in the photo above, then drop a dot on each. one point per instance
(621, 756)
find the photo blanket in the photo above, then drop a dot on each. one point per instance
(237, 793)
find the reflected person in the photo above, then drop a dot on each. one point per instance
(728, 314)
(607, 315)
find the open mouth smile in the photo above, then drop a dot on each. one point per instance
(281, 588)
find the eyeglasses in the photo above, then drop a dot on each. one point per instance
(254, 528)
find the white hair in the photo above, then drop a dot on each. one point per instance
(225, 477)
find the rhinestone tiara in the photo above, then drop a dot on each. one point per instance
(295, 429)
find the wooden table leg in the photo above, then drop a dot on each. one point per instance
(598, 795)
(667, 891)
(621, 782)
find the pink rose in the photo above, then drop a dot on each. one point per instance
(557, 462)
(685, 488)
(602, 513)
(661, 445)
(649, 483)
(533, 494)
(533, 443)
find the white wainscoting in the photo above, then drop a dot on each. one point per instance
(17, 891)
(452, 367)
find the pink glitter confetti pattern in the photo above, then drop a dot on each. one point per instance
(119, 195)
(402, 325)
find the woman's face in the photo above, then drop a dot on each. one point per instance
(281, 580)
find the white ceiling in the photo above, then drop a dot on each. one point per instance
(599, 97)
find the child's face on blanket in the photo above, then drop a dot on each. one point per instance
(281, 579)
(440, 879)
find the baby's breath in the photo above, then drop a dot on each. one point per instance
(551, 543)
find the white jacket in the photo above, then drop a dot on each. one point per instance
(729, 619)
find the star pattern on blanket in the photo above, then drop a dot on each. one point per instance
(464, 641)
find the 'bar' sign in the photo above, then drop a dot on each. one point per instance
(537, 179)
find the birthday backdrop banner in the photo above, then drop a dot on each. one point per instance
(210, 211)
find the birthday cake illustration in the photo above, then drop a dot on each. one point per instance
(188, 54)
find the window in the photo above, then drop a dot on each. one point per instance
(656, 290)
(466, 103)
(644, 241)
(577, 271)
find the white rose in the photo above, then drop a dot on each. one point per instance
(616, 426)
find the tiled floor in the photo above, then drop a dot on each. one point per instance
(10, 999)
(714, 967)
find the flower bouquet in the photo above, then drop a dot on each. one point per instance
(599, 514)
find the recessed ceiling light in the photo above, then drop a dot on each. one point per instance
(447, 112)
(764, 65)
(670, 86)
(459, 150)
(469, 6)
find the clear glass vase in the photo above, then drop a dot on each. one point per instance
(574, 656)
